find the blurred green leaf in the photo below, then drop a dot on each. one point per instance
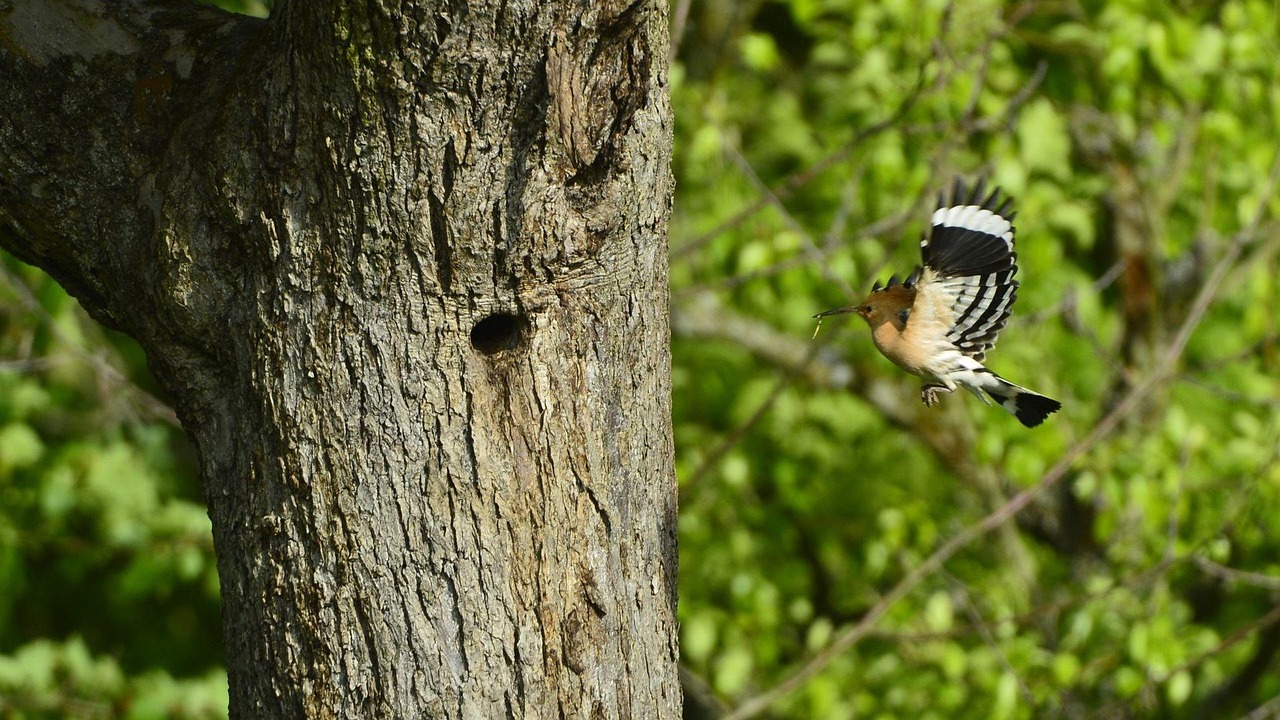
(20, 447)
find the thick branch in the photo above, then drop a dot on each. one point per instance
(93, 97)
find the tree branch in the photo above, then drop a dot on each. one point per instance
(85, 205)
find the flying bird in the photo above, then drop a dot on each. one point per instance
(940, 322)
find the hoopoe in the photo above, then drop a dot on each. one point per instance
(940, 322)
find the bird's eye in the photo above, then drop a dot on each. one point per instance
(866, 308)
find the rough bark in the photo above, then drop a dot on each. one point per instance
(402, 267)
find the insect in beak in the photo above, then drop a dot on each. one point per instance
(858, 309)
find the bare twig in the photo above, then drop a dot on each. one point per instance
(28, 364)
(1252, 670)
(700, 699)
(108, 375)
(1233, 396)
(1102, 283)
(1266, 343)
(1020, 98)
(1134, 583)
(705, 317)
(1232, 575)
(800, 179)
(833, 240)
(1172, 528)
(680, 16)
(735, 437)
(1268, 710)
(810, 246)
(984, 630)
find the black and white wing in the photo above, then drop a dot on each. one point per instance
(967, 282)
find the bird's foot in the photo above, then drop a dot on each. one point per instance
(929, 394)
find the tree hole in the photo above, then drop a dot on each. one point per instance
(498, 332)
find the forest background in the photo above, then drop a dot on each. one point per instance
(844, 551)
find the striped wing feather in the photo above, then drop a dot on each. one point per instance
(967, 282)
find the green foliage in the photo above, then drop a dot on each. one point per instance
(110, 602)
(1139, 141)
(256, 8)
(45, 679)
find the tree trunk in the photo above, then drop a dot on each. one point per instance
(402, 267)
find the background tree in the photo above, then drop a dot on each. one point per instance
(400, 268)
(819, 499)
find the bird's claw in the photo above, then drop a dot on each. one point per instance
(929, 395)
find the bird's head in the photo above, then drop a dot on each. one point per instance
(883, 304)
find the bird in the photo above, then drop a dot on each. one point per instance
(942, 319)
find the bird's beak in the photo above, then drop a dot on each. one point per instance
(838, 311)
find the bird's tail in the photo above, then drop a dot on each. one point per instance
(1030, 408)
